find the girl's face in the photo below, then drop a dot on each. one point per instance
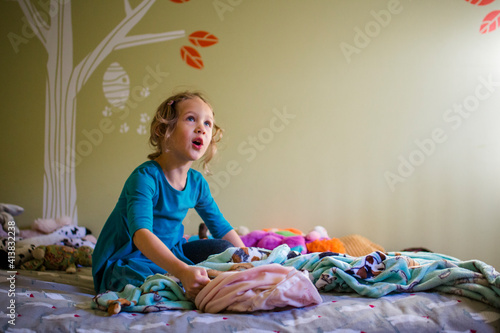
(193, 133)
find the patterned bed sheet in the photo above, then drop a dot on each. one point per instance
(59, 302)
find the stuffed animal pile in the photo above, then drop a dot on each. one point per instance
(59, 257)
(58, 233)
(317, 240)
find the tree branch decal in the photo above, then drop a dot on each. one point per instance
(128, 8)
(148, 39)
(64, 81)
(37, 24)
(115, 37)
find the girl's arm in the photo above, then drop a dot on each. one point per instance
(193, 278)
(234, 239)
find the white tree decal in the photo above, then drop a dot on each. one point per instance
(64, 81)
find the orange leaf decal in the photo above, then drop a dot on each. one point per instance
(480, 2)
(191, 57)
(490, 22)
(203, 38)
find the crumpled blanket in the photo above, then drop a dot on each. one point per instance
(157, 293)
(374, 275)
(261, 288)
(378, 274)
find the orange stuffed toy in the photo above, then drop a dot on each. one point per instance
(326, 245)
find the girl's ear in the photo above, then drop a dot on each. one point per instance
(161, 131)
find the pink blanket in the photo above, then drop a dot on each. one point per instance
(261, 288)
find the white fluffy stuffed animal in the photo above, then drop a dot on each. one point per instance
(7, 213)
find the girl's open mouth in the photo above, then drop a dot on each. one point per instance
(197, 143)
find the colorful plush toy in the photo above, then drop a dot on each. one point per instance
(285, 232)
(326, 245)
(317, 240)
(59, 257)
(271, 240)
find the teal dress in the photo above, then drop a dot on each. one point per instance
(149, 201)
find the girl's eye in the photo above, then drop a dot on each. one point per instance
(207, 123)
(190, 118)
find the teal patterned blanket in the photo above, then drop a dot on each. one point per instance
(374, 275)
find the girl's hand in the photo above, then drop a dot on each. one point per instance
(193, 280)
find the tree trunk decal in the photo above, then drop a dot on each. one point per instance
(64, 81)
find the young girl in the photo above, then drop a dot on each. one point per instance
(144, 233)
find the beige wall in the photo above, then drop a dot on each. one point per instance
(321, 123)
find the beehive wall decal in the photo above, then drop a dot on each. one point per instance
(116, 85)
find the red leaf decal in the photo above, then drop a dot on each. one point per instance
(191, 57)
(203, 39)
(179, 1)
(480, 2)
(490, 22)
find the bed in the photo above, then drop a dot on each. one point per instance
(54, 301)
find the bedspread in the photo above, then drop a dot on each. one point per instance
(59, 302)
(373, 275)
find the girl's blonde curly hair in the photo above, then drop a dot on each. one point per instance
(165, 120)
